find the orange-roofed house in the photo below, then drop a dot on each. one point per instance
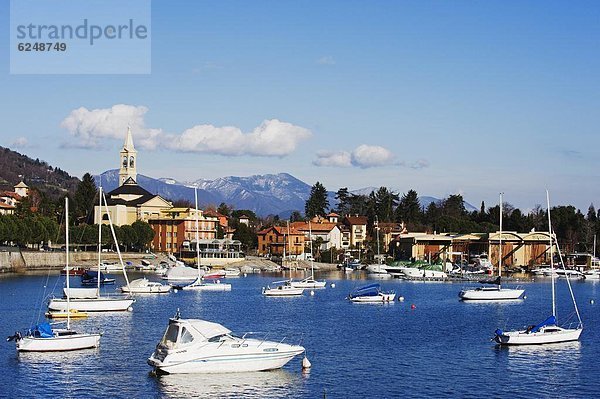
(274, 239)
(329, 232)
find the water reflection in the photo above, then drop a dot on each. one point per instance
(271, 384)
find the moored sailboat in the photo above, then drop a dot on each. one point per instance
(90, 301)
(309, 282)
(495, 291)
(548, 331)
(43, 337)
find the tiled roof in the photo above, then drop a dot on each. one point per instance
(353, 220)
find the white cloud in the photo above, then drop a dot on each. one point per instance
(326, 60)
(369, 156)
(90, 128)
(272, 137)
(340, 159)
(20, 142)
(364, 156)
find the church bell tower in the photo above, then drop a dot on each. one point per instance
(128, 160)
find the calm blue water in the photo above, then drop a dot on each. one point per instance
(441, 348)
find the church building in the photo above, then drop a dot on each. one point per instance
(130, 202)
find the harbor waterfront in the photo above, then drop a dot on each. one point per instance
(428, 345)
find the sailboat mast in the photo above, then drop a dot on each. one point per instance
(99, 238)
(114, 235)
(67, 262)
(197, 235)
(500, 245)
(551, 254)
(312, 270)
(377, 229)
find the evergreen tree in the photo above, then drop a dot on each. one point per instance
(343, 198)
(409, 208)
(317, 203)
(224, 209)
(85, 199)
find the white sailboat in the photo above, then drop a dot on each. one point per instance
(494, 292)
(200, 284)
(548, 331)
(379, 267)
(309, 282)
(43, 337)
(89, 299)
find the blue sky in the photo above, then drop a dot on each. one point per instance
(462, 97)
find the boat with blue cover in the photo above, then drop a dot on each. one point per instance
(371, 293)
(548, 331)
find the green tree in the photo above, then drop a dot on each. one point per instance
(224, 209)
(343, 201)
(409, 209)
(317, 203)
(144, 234)
(385, 202)
(85, 199)
(246, 236)
(296, 216)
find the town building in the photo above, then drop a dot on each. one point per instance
(175, 228)
(280, 241)
(518, 249)
(328, 233)
(130, 202)
(10, 199)
(357, 227)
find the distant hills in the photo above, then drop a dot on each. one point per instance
(278, 194)
(15, 167)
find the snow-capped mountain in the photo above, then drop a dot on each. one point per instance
(271, 194)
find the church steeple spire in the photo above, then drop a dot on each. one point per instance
(128, 159)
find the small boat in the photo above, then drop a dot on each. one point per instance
(308, 282)
(282, 288)
(593, 274)
(181, 272)
(42, 337)
(428, 272)
(199, 346)
(91, 278)
(145, 286)
(371, 293)
(377, 268)
(201, 285)
(75, 271)
(548, 331)
(214, 274)
(73, 314)
(232, 272)
(91, 300)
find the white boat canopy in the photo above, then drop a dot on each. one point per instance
(206, 328)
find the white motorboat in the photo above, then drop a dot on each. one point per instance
(427, 272)
(548, 331)
(371, 293)
(377, 268)
(97, 303)
(145, 286)
(541, 271)
(43, 338)
(203, 285)
(572, 273)
(232, 272)
(199, 346)
(282, 288)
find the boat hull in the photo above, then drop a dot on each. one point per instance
(226, 363)
(381, 298)
(157, 289)
(283, 291)
(58, 344)
(308, 284)
(490, 294)
(538, 338)
(377, 269)
(92, 305)
(207, 287)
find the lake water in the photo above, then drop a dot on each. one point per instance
(441, 348)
